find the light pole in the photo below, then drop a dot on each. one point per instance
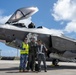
(17, 52)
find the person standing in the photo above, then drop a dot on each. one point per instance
(23, 55)
(41, 49)
(32, 54)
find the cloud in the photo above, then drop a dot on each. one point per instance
(3, 19)
(65, 10)
(71, 27)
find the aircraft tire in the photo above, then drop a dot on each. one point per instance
(55, 62)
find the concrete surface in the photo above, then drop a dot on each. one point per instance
(11, 68)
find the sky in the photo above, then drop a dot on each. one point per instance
(57, 15)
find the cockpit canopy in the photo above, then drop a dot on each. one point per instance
(22, 13)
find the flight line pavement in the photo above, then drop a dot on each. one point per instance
(10, 67)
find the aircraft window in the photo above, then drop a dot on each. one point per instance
(18, 15)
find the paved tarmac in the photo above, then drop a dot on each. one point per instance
(11, 68)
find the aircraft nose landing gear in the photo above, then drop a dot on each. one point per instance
(55, 62)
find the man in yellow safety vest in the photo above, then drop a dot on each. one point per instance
(24, 55)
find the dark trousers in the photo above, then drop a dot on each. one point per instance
(41, 57)
(31, 61)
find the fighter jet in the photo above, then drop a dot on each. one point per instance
(12, 34)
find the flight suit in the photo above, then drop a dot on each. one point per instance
(32, 55)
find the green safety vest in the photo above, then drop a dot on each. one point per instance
(26, 51)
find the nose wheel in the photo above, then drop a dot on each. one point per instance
(55, 62)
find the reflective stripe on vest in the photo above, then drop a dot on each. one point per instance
(40, 50)
(26, 51)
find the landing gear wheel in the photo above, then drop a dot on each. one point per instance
(55, 62)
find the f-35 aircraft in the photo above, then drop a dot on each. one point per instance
(12, 34)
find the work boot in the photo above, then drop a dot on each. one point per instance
(45, 70)
(25, 70)
(20, 70)
(39, 70)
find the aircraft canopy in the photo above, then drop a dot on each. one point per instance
(22, 13)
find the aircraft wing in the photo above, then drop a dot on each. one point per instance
(22, 13)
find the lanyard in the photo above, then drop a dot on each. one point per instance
(40, 49)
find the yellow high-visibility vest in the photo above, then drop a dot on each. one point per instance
(26, 51)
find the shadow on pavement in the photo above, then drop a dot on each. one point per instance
(49, 67)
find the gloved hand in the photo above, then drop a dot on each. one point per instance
(23, 48)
